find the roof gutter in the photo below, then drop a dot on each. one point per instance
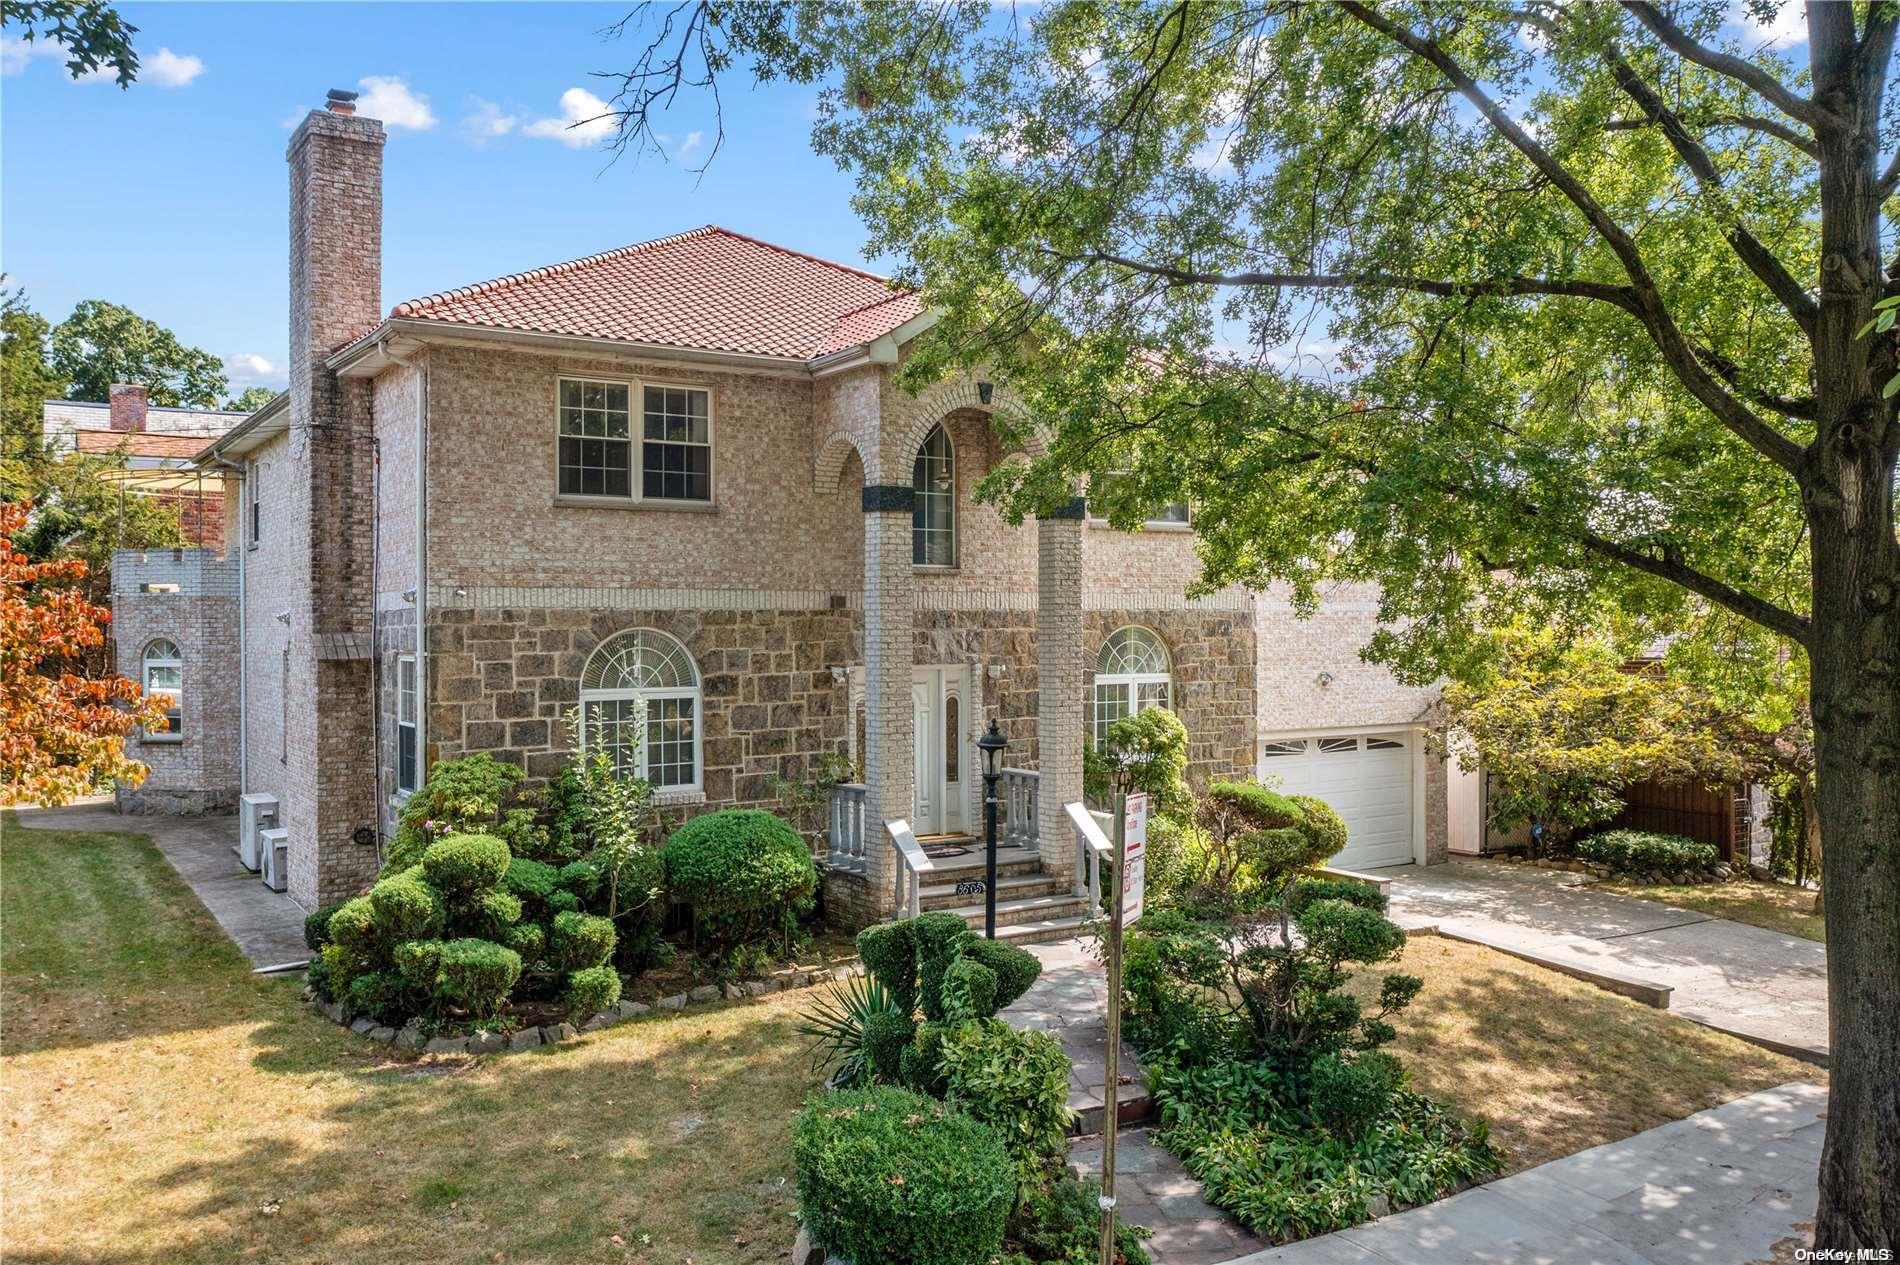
(272, 419)
(370, 354)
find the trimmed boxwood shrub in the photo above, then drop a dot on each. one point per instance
(316, 926)
(477, 974)
(1641, 850)
(577, 941)
(591, 991)
(1017, 1082)
(746, 873)
(462, 866)
(886, 1175)
(405, 908)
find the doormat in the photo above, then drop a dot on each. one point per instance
(942, 850)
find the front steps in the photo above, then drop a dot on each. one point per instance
(1032, 907)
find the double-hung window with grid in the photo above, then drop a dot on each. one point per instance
(635, 441)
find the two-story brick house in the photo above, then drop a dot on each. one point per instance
(682, 472)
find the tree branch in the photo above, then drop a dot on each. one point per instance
(1620, 296)
(1752, 122)
(1669, 566)
(1669, 339)
(1747, 73)
(1803, 407)
(1760, 260)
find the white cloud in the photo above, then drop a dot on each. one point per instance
(16, 54)
(583, 121)
(247, 368)
(1786, 28)
(388, 98)
(170, 70)
(487, 121)
(690, 144)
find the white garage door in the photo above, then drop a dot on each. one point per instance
(1367, 778)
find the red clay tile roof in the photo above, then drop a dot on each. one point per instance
(141, 443)
(711, 289)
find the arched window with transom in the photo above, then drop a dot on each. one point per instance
(640, 703)
(164, 679)
(1131, 675)
(933, 515)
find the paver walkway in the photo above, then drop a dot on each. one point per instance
(1070, 999)
(267, 925)
(1758, 984)
(1730, 1185)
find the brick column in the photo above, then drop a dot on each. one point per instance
(889, 595)
(1060, 705)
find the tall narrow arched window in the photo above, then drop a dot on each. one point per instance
(1131, 675)
(164, 678)
(640, 703)
(933, 515)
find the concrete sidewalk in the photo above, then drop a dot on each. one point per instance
(267, 926)
(1757, 984)
(1733, 1184)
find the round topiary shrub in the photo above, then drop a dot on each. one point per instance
(316, 926)
(888, 1175)
(461, 866)
(405, 908)
(1324, 826)
(476, 975)
(591, 991)
(577, 941)
(746, 874)
(353, 927)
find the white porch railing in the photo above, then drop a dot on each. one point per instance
(1016, 809)
(844, 835)
(912, 864)
(1092, 851)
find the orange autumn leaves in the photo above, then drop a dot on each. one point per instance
(61, 734)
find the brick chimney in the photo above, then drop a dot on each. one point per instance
(128, 400)
(336, 252)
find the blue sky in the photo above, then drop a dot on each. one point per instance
(170, 197)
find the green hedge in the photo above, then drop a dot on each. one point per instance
(886, 1176)
(746, 873)
(1641, 850)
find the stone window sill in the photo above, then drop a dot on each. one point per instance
(162, 740)
(1102, 524)
(678, 797)
(628, 503)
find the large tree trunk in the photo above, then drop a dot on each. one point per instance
(1848, 488)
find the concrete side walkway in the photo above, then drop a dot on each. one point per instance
(267, 926)
(1733, 1184)
(1757, 984)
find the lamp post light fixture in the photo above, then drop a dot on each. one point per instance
(991, 744)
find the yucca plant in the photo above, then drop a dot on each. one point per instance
(836, 1024)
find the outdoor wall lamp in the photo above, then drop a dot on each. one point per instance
(409, 596)
(997, 671)
(838, 672)
(984, 390)
(1325, 679)
(283, 617)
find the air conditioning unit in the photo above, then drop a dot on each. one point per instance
(274, 852)
(256, 813)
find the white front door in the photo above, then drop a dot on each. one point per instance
(939, 700)
(1367, 778)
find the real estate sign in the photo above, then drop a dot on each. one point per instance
(1134, 883)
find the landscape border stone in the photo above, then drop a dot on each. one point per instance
(411, 1036)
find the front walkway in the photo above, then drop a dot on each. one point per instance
(1733, 1184)
(1759, 985)
(267, 926)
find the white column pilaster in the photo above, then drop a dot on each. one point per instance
(1061, 704)
(889, 598)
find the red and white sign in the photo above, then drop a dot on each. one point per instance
(1134, 855)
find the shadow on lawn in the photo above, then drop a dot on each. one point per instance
(1557, 1069)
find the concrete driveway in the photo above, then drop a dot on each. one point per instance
(1760, 985)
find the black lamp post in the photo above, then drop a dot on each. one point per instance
(991, 744)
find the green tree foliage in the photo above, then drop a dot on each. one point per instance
(1563, 726)
(1571, 258)
(250, 399)
(26, 379)
(94, 36)
(102, 343)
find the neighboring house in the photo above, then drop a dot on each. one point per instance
(157, 445)
(681, 475)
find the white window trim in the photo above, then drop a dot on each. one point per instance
(956, 509)
(636, 445)
(146, 664)
(1131, 681)
(693, 792)
(406, 661)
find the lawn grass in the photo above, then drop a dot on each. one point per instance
(1780, 907)
(1556, 1065)
(164, 1105)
